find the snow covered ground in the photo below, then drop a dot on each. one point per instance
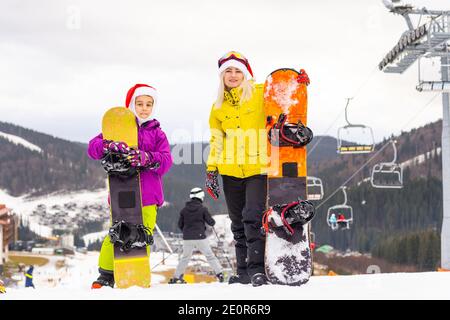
(72, 282)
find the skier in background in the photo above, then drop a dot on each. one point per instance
(333, 221)
(237, 111)
(29, 278)
(193, 219)
(342, 222)
(2, 287)
(153, 158)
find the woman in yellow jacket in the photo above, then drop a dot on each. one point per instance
(238, 152)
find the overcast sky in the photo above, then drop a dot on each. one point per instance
(64, 63)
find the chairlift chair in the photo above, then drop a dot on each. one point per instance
(315, 188)
(388, 175)
(346, 137)
(341, 209)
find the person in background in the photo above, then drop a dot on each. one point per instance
(29, 278)
(333, 221)
(193, 220)
(2, 287)
(342, 222)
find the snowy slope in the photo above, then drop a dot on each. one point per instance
(81, 270)
(421, 158)
(415, 161)
(95, 236)
(20, 141)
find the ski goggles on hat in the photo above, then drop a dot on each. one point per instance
(233, 55)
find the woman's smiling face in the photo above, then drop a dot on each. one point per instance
(233, 77)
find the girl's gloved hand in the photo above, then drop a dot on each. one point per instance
(115, 146)
(139, 158)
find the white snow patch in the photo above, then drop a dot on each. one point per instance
(421, 158)
(20, 141)
(95, 236)
(276, 248)
(283, 94)
(73, 281)
(269, 81)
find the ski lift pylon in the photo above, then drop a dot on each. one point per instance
(347, 133)
(340, 210)
(388, 175)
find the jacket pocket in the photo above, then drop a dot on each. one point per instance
(228, 123)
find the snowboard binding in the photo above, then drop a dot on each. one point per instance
(128, 236)
(287, 215)
(117, 164)
(283, 134)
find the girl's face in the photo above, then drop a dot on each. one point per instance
(233, 77)
(144, 106)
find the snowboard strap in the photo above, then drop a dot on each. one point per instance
(128, 236)
(297, 212)
(117, 164)
(268, 214)
(289, 134)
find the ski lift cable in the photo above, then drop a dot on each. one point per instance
(358, 90)
(163, 238)
(324, 134)
(228, 260)
(366, 81)
(353, 175)
(172, 252)
(159, 263)
(381, 149)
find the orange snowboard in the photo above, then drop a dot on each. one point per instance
(288, 258)
(283, 94)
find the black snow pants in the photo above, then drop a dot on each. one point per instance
(246, 202)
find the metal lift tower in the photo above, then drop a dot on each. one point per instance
(428, 40)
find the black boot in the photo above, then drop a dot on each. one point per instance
(175, 280)
(239, 278)
(220, 277)
(259, 279)
(106, 278)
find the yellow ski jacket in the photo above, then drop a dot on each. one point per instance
(238, 144)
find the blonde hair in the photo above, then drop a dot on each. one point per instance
(247, 87)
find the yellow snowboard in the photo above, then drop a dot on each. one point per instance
(131, 268)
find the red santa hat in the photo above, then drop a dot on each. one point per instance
(237, 60)
(139, 90)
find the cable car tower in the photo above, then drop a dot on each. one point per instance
(427, 41)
